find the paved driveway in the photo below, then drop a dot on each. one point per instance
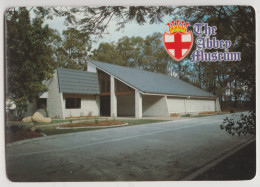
(161, 151)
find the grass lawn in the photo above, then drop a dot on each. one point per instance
(204, 114)
(51, 130)
(142, 121)
(99, 123)
(55, 121)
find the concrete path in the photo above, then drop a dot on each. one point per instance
(159, 151)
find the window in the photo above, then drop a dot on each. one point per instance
(41, 103)
(73, 103)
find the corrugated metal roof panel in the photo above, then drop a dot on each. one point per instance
(77, 81)
(149, 82)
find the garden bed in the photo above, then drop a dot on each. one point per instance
(93, 124)
(79, 117)
(16, 133)
(207, 113)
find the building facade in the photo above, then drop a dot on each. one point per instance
(112, 90)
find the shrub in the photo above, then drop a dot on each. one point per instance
(21, 106)
(245, 125)
(37, 130)
(185, 115)
(14, 128)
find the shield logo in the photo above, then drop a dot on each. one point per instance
(178, 44)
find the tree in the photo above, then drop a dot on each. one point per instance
(28, 57)
(154, 57)
(75, 48)
(95, 20)
(141, 53)
(107, 52)
(57, 47)
(236, 23)
(131, 51)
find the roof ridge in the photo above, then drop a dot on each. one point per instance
(133, 68)
(85, 71)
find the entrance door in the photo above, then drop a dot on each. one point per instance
(105, 105)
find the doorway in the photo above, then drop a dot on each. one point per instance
(105, 105)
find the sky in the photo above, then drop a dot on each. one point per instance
(131, 29)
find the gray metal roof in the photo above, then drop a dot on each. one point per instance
(77, 81)
(149, 82)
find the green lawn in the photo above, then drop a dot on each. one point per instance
(55, 121)
(141, 121)
(203, 115)
(53, 131)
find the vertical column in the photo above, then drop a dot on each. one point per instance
(98, 104)
(62, 105)
(185, 106)
(138, 105)
(113, 101)
(167, 106)
(217, 105)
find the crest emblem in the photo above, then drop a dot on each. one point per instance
(178, 42)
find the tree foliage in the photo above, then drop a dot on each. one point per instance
(28, 57)
(95, 20)
(230, 81)
(135, 52)
(246, 125)
(74, 49)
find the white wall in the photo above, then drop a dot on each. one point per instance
(177, 105)
(154, 106)
(54, 101)
(200, 105)
(126, 105)
(92, 68)
(217, 105)
(89, 103)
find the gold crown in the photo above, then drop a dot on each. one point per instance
(178, 28)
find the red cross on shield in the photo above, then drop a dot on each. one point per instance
(178, 44)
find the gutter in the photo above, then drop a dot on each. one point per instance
(184, 96)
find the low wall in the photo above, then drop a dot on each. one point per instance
(154, 106)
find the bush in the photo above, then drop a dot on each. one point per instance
(185, 115)
(14, 128)
(245, 125)
(21, 106)
(37, 130)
